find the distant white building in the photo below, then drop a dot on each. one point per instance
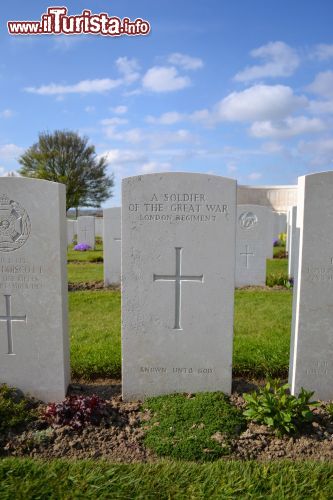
(278, 198)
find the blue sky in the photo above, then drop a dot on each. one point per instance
(240, 88)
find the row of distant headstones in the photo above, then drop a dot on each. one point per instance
(177, 325)
(257, 228)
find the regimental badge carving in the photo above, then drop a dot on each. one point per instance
(14, 224)
(247, 220)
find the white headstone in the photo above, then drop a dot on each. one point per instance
(34, 347)
(311, 354)
(99, 227)
(70, 231)
(288, 230)
(86, 230)
(270, 232)
(112, 245)
(280, 224)
(178, 266)
(252, 227)
(292, 243)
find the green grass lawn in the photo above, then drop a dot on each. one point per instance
(87, 256)
(95, 333)
(277, 266)
(89, 270)
(261, 342)
(84, 272)
(64, 479)
(262, 332)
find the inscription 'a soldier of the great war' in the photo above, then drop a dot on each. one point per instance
(14, 232)
(14, 224)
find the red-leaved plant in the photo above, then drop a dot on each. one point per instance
(75, 411)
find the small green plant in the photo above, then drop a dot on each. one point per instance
(329, 409)
(280, 279)
(283, 238)
(274, 406)
(15, 409)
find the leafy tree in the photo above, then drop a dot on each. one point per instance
(63, 156)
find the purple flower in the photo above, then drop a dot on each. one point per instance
(82, 247)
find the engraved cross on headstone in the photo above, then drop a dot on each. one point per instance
(9, 319)
(246, 254)
(178, 278)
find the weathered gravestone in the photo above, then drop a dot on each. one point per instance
(289, 215)
(178, 265)
(86, 230)
(34, 350)
(112, 245)
(99, 227)
(292, 243)
(311, 357)
(70, 231)
(280, 224)
(269, 236)
(252, 227)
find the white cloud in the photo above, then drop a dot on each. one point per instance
(82, 87)
(321, 107)
(254, 176)
(7, 113)
(232, 167)
(154, 166)
(185, 61)
(271, 147)
(153, 139)
(164, 79)
(289, 127)
(278, 60)
(323, 52)
(129, 68)
(66, 42)
(323, 84)
(181, 136)
(89, 109)
(205, 117)
(259, 102)
(169, 118)
(9, 152)
(123, 156)
(120, 110)
(115, 120)
(133, 136)
(318, 153)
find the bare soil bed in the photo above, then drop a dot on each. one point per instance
(119, 438)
